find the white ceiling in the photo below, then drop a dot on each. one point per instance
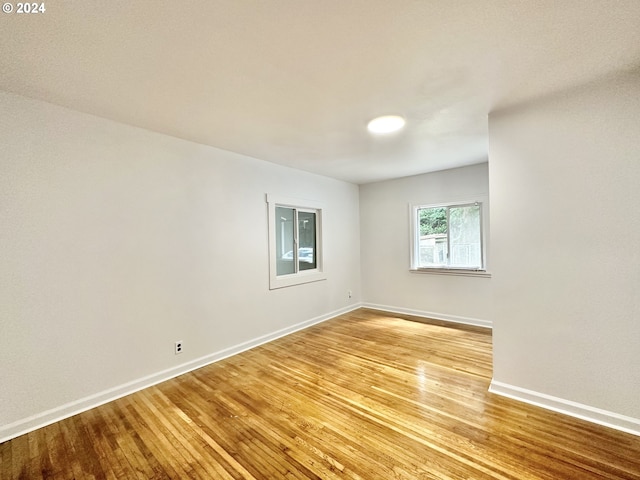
(296, 81)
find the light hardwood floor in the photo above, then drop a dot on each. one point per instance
(362, 396)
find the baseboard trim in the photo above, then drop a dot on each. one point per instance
(436, 316)
(567, 407)
(34, 422)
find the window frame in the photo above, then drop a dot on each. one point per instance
(299, 276)
(414, 240)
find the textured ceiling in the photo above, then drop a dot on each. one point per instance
(296, 81)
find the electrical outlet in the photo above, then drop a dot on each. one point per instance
(178, 347)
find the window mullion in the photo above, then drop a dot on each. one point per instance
(482, 253)
(296, 264)
(448, 236)
(416, 238)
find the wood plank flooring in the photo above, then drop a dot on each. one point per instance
(362, 396)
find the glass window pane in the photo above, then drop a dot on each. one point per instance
(464, 231)
(284, 241)
(307, 240)
(432, 237)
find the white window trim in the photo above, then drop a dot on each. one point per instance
(459, 271)
(303, 276)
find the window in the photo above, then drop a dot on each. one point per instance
(295, 242)
(448, 237)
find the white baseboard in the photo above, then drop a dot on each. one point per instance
(29, 424)
(567, 407)
(436, 316)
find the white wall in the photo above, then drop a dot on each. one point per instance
(384, 218)
(565, 193)
(116, 242)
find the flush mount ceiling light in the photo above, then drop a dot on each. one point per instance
(386, 124)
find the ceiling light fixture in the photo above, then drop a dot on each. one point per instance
(386, 124)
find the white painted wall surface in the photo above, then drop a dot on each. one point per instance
(565, 191)
(116, 241)
(385, 244)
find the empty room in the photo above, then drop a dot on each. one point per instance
(264, 239)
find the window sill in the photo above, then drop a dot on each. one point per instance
(460, 272)
(296, 279)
